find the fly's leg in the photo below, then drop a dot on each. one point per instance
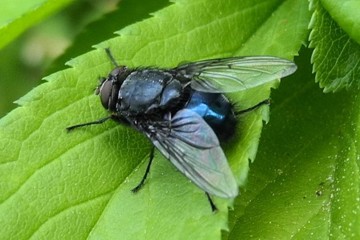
(100, 121)
(119, 119)
(212, 204)
(141, 184)
(265, 102)
(111, 57)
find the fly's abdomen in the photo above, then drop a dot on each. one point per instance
(216, 110)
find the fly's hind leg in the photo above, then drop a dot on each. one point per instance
(212, 204)
(265, 102)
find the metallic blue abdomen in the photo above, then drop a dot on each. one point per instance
(216, 110)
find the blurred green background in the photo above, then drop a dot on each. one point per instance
(29, 58)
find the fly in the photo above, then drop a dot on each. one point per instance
(184, 113)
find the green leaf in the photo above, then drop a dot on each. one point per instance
(336, 56)
(130, 11)
(346, 14)
(56, 184)
(19, 15)
(305, 182)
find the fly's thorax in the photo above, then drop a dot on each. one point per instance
(148, 91)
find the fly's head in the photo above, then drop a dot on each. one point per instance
(108, 89)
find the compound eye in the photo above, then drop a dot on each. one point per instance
(105, 93)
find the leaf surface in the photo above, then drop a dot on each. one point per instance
(77, 185)
(336, 56)
(305, 181)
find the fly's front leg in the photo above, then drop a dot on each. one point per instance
(99, 121)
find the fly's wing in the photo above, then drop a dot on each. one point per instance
(236, 73)
(192, 146)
